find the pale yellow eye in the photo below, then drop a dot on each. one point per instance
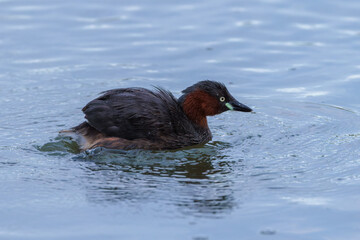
(222, 99)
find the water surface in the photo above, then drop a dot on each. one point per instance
(289, 171)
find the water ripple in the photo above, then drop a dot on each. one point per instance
(310, 26)
(32, 8)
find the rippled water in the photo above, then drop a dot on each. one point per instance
(289, 171)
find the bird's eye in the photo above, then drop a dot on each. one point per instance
(222, 99)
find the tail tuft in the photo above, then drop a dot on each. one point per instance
(84, 134)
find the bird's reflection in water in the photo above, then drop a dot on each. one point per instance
(195, 180)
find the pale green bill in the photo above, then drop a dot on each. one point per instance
(229, 106)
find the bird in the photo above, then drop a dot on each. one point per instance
(138, 118)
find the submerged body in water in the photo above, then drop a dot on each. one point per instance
(137, 118)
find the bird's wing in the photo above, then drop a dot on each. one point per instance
(133, 113)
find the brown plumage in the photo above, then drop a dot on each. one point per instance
(137, 118)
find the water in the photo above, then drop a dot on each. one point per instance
(289, 171)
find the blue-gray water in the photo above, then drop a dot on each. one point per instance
(290, 171)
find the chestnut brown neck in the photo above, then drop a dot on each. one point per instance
(199, 104)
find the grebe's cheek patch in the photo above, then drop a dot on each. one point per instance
(210, 104)
(199, 104)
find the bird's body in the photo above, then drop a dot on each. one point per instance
(137, 118)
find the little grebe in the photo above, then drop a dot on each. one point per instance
(137, 118)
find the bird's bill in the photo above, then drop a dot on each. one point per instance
(237, 106)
